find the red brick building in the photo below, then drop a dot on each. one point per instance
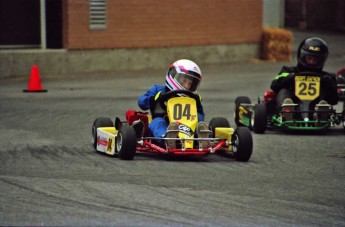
(152, 23)
(125, 34)
(130, 23)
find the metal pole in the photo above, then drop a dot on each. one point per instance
(43, 24)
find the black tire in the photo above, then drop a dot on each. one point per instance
(99, 122)
(126, 142)
(243, 144)
(218, 122)
(238, 101)
(259, 118)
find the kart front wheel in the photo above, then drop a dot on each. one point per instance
(126, 142)
(218, 122)
(99, 122)
(259, 118)
(243, 144)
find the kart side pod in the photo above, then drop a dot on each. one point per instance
(224, 133)
(106, 140)
(245, 114)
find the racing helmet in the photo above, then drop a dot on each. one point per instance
(183, 74)
(312, 53)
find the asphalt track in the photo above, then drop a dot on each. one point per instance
(50, 174)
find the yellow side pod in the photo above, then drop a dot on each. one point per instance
(225, 133)
(106, 140)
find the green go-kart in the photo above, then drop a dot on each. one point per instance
(306, 115)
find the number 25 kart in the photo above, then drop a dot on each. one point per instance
(307, 114)
(125, 138)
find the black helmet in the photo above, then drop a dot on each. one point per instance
(312, 53)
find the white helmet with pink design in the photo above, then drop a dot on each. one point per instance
(183, 75)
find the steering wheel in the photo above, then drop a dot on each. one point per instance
(170, 94)
(161, 107)
(306, 73)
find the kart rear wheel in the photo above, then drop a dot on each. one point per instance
(259, 118)
(99, 122)
(126, 142)
(218, 122)
(243, 144)
(238, 101)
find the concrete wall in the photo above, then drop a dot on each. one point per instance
(273, 13)
(61, 62)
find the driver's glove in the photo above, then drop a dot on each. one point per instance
(198, 103)
(156, 98)
(198, 97)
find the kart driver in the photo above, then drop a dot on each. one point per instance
(312, 54)
(182, 75)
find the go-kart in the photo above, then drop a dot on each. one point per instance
(122, 138)
(305, 115)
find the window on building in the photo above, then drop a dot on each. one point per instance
(97, 14)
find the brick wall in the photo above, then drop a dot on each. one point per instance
(164, 23)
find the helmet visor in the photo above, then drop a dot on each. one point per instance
(188, 81)
(312, 60)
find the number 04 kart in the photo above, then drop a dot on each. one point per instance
(307, 114)
(125, 138)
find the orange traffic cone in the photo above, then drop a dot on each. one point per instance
(35, 81)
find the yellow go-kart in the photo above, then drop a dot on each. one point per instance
(124, 139)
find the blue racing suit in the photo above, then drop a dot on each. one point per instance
(159, 123)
